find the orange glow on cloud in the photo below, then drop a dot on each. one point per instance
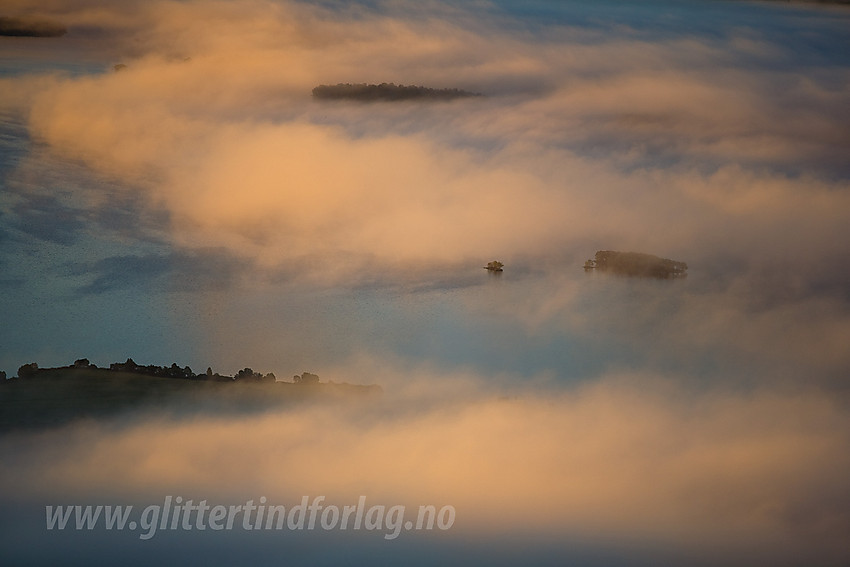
(213, 121)
(581, 143)
(628, 456)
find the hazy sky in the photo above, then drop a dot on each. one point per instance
(198, 206)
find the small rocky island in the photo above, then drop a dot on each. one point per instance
(494, 266)
(387, 92)
(636, 264)
(48, 397)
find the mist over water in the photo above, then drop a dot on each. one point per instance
(199, 206)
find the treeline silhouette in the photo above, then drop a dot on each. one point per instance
(174, 371)
(51, 397)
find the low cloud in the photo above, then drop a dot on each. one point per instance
(726, 150)
(629, 456)
(230, 145)
(710, 149)
(706, 149)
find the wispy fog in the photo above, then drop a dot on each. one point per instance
(631, 457)
(173, 191)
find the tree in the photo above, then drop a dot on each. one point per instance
(306, 378)
(249, 374)
(27, 370)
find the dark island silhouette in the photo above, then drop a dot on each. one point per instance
(494, 266)
(387, 92)
(30, 27)
(636, 264)
(49, 397)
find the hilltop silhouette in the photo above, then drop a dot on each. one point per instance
(49, 397)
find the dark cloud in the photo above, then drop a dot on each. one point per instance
(47, 218)
(204, 269)
(12, 283)
(51, 218)
(14, 139)
(53, 199)
(129, 217)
